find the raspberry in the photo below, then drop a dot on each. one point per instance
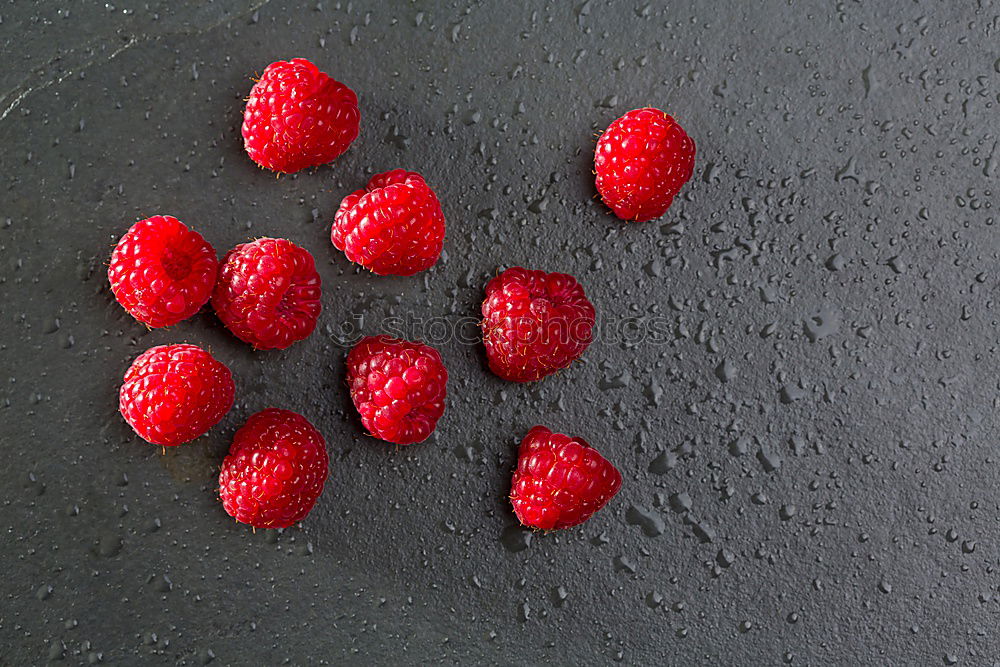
(161, 272)
(394, 226)
(268, 293)
(174, 393)
(534, 323)
(560, 481)
(275, 470)
(642, 161)
(298, 117)
(398, 388)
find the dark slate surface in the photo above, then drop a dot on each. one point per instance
(805, 422)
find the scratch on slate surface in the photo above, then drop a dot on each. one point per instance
(21, 92)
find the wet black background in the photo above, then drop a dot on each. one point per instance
(809, 452)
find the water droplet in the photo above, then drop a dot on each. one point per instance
(725, 371)
(663, 463)
(824, 323)
(680, 502)
(769, 461)
(791, 392)
(836, 262)
(109, 546)
(624, 564)
(648, 520)
(516, 538)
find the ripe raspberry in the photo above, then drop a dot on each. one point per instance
(560, 481)
(642, 161)
(174, 393)
(394, 226)
(298, 117)
(398, 388)
(275, 470)
(534, 323)
(161, 272)
(268, 293)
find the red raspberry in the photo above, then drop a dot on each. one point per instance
(298, 117)
(560, 481)
(161, 272)
(642, 161)
(394, 226)
(268, 293)
(534, 323)
(398, 388)
(174, 393)
(275, 470)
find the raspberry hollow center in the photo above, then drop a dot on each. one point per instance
(289, 302)
(176, 264)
